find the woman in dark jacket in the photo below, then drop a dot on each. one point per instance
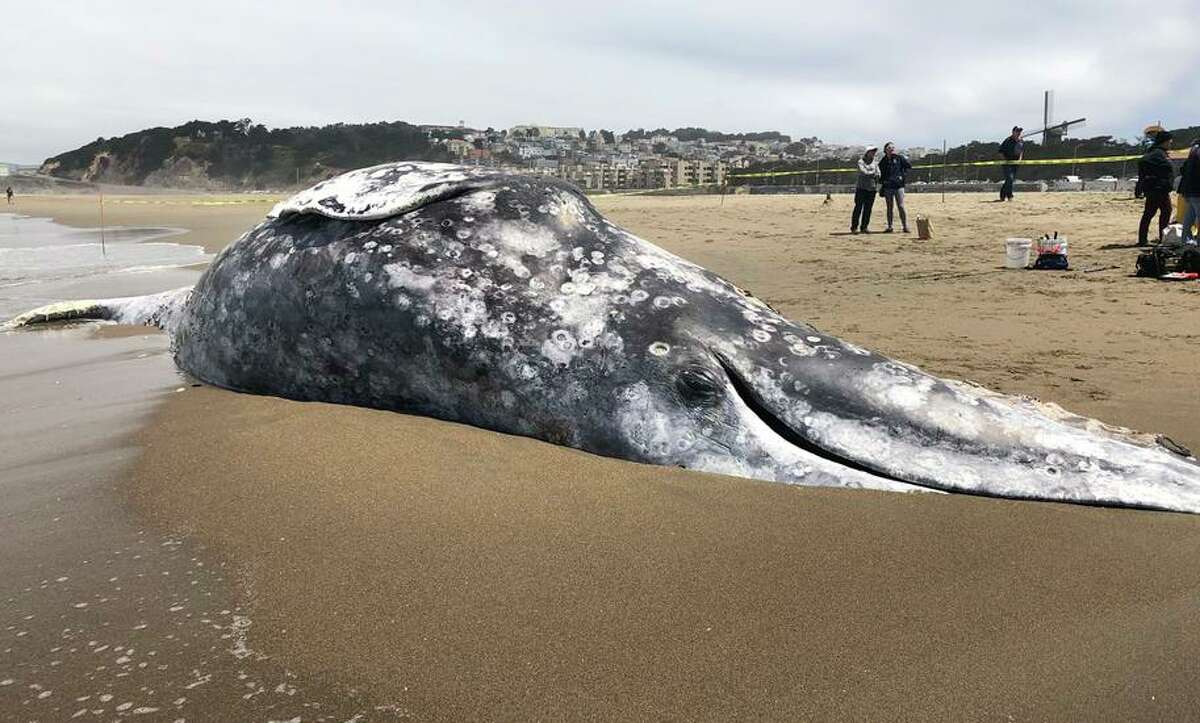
(1155, 180)
(1189, 188)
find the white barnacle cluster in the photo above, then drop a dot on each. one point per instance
(513, 244)
(583, 319)
(473, 295)
(798, 346)
(402, 276)
(895, 387)
(651, 426)
(567, 210)
(451, 294)
(768, 325)
(560, 347)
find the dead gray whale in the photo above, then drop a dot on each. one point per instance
(508, 302)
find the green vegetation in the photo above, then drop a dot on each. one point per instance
(241, 154)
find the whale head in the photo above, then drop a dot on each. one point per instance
(729, 385)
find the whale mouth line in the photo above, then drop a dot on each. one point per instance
(751, 399)
(748, 397)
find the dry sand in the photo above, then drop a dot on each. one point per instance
(452, 572)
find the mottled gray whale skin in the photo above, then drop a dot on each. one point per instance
(510, 303)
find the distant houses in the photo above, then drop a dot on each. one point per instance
(603, 160)
(12, 169)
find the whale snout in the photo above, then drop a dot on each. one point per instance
(888, 425)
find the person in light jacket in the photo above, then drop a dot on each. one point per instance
(864, 191)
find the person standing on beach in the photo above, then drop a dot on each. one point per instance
(1013, 149)
(9, 194)
(1155, 177)
(892, 170)
(864, 191)
(1189, 188)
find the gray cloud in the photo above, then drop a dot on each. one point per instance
(856, 71)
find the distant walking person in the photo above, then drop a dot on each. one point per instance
(1155, 176)
(892, 169)
(864, 191)
(9, 194)
(1013, 149)
(1189, 188)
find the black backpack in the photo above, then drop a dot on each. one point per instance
(1191, 259)
(1148, 264)
(1164, 259)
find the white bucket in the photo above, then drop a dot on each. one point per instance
(1017, 253)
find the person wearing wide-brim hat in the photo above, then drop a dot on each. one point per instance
(864, 191)
(1155, 181)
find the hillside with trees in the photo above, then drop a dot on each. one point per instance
(239, 155)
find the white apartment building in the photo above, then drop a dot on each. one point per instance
(697, 172)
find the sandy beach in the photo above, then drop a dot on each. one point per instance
(394, 565)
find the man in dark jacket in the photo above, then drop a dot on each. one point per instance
(892, 170)
(1013, 149)
(1155, 180)
(1189, 188)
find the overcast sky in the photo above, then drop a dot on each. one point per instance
(915, 72)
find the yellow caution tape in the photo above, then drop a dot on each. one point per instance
(182, 202)
(950, 164)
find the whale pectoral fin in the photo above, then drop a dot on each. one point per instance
(61, 311)
(159, 310)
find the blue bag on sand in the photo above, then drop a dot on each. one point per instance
(1051, 262)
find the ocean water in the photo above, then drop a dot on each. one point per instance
(43, 262)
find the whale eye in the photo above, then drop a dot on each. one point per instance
(698, 385)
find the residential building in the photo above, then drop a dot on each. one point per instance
(536, 131)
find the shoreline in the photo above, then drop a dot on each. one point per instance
(108, 613)
(211, 225)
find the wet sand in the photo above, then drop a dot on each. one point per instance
(445, 571)
(101, 615)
